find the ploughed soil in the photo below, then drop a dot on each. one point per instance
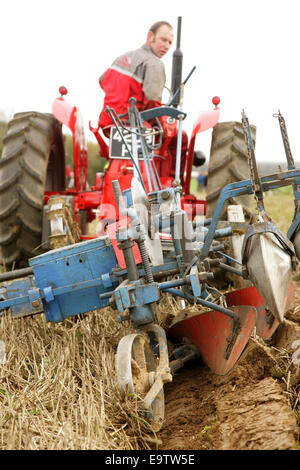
(256, 406)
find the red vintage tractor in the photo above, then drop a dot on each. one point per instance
(33, 169)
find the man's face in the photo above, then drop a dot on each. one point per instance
(161, 41)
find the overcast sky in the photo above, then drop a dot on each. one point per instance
(246, 52)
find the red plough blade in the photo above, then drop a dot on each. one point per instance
(215, 335)
(266, 324)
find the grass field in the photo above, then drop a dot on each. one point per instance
(279, 204)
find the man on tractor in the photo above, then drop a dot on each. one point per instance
(139, 74)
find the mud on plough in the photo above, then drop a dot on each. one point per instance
(155, 248)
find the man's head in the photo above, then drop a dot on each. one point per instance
(160, 38)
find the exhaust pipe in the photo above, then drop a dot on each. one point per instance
(177, 65)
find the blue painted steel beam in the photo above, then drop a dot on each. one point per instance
(240, 188)
(205, 303)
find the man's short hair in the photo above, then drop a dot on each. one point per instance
(155, 27)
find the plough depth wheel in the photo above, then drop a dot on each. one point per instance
(136, 366)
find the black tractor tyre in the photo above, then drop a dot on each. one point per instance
(228, 163)
(33, 161)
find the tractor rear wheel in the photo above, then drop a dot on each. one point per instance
(33, 161)
(228, 163)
